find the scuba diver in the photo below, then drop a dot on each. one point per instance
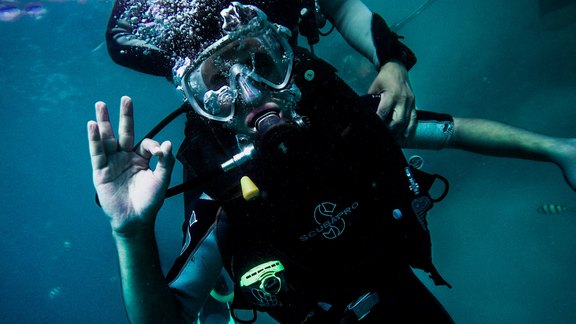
(300, 206)
(280, 116)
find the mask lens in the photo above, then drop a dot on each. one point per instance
(211, 85)
(218, 103)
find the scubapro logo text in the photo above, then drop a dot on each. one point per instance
(331, 223)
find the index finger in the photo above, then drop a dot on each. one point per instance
(412, 120)
(385, 107)
(97, 154)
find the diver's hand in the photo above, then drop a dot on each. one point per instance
(397, 103)
(130, 193)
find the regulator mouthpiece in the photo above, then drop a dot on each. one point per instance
(268, 121)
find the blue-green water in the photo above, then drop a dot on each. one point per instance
(491, 59)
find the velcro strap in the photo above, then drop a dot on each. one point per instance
(388, 45)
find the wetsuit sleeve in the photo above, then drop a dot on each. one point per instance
(367, 32)
(127, 50)
(195, 278)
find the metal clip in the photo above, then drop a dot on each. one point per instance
(414, 187)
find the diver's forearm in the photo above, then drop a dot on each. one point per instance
(367, 32)
(352, 18)
(499, 139)
(146, 294)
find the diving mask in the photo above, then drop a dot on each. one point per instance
(243, 76)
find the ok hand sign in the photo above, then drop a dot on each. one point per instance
(130, 193)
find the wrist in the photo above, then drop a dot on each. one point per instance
(134, 246)
(388, 45)
(393, 73)
(135, 234)
(395, 65)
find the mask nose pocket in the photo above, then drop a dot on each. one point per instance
(248, 91)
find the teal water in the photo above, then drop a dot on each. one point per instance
(491, 59)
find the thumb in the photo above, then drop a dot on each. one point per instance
(165, 163)
(376, 87)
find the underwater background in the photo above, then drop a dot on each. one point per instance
(510, 61)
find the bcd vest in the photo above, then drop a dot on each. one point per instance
(337, 200)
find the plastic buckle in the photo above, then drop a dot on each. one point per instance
(361, 307)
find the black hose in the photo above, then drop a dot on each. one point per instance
(411, 16)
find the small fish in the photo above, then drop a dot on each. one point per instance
(35, 10)
(55, 292)
(10, 12)
(551, 209)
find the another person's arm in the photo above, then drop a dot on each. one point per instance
(369, 34)
(488, 137)
(499, 139)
